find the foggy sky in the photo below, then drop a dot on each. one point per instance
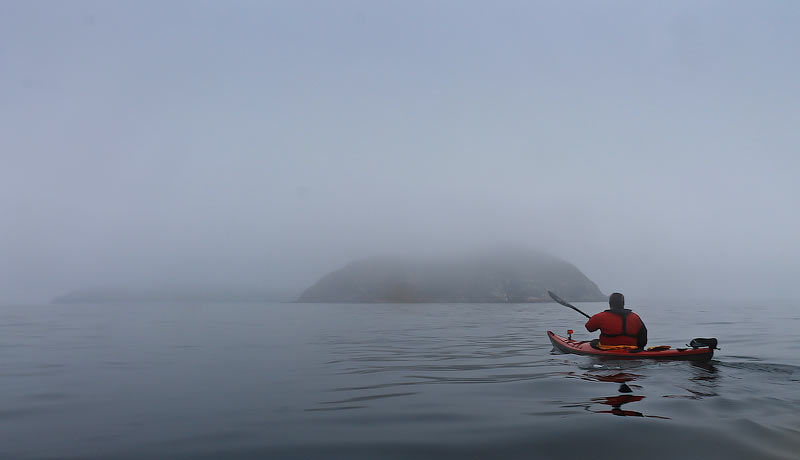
(652, 144)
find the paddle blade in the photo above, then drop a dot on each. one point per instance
(566, 304)
(558, 299)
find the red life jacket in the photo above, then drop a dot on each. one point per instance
(616, 327)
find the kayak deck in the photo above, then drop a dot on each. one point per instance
(566, 345)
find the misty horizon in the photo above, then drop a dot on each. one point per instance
(652, 146)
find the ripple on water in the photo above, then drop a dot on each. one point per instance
(369, 398)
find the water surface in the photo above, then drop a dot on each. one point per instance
(387, 381)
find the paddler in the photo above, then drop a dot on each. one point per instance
(618, 325)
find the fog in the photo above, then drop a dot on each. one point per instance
(653, 145)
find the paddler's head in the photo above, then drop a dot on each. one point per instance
(616, 301)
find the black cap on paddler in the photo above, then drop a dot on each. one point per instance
(616, 301)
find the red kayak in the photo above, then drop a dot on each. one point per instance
(567, 345)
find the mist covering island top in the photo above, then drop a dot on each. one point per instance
(484, 277)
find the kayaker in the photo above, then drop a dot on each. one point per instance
(618, 325)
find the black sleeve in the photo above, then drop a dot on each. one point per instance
(641, 336)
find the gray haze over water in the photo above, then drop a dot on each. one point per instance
(241, 143)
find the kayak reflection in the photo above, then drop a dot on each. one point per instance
(704, 371)
(619, 377)
(616, 403)
(702, 382)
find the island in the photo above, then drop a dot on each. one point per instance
(496, 276)
(177, 294)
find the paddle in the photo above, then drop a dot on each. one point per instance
(566, 304)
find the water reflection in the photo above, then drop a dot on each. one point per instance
(603, 376)
(616, 403)
(702, 382)
(623, 378)
(704, 370)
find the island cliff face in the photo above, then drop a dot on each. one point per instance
(487, 277)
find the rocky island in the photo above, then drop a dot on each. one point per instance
(505, 276)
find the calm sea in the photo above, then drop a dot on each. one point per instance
(328, 381)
